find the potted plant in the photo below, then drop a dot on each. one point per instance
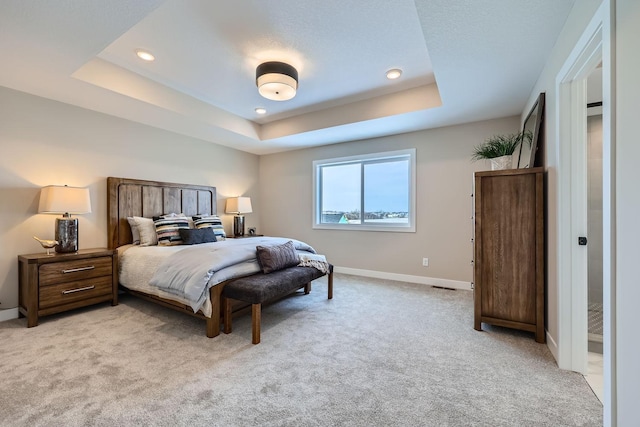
(498, 149)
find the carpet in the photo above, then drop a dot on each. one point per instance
(381, 353)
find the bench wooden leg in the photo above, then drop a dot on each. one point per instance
(330, 286)
(307, 288)
(226, 315)
(255, 323)
(213, 323)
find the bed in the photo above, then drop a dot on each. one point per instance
(141, 198)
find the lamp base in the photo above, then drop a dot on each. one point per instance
(238, 225)
(67, 235)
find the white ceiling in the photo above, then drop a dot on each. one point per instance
(462, 61)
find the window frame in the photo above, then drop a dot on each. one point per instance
(360, 159)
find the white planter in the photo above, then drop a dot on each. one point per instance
(499, 163)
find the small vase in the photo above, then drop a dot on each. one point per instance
(499, 163)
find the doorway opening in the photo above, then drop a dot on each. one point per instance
(595, 312)
(593, 48)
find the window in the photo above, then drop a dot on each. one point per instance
(374, 192)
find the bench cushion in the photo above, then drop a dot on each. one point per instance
(260, 287)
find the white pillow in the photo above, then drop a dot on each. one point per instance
(147, 231)
(134, 230)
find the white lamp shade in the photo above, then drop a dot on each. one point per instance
(277, 87)
(277, 81)
(238, 205)
(57, 199)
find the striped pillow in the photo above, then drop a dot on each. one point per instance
(211, 221)
(168, 229)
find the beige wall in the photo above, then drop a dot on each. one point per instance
(444, 205)
(577, 21)
(43, 142)
(594, 214)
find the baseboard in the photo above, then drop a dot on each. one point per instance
(431, 281)
(9, 314)
(553, 347)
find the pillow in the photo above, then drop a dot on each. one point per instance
(279, 257)
(134, 230)
(146, 231)
(211, 221)
(175, 215)
(168, 230)
(197, 236)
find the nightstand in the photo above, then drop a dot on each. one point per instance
(59, 282)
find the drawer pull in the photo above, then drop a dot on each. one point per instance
(71, 291)
(75, 270)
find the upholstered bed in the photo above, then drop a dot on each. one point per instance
(155, 270)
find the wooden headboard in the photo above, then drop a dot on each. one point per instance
(136, 197)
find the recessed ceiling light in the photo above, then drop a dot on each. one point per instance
(394, 73)
(144, 55)
(261, 110)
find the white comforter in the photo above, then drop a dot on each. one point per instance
(188, 272)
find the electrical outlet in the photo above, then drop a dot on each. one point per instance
(425, 262)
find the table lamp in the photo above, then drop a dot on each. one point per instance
(56, 199)
(238, 206)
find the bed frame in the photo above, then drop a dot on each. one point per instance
(136, 197)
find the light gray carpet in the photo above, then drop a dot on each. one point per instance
(381, 353)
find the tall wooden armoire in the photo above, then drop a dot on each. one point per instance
(509, 271)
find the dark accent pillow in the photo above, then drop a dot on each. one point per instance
(196, 236)
(279, 257)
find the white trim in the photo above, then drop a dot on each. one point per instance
(579, 208)
(594, 111)
(552, 345)
(9, 314)
(571, 198)
(608, 16)
(431, 281)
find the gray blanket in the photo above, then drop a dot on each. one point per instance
(191, 272)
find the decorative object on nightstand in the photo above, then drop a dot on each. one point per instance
(47, 244)
(55, 283)
(238, 206)
(56, 199)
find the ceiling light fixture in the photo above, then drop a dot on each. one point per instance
(394, 73)
(260, 110)
(144, 55)
(277, 81)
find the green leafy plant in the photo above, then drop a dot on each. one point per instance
(497, 146)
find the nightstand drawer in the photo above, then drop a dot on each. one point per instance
(69, 271)
(64, 293)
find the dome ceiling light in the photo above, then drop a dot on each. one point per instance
(277, 81)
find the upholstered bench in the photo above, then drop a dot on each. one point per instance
(261, 287)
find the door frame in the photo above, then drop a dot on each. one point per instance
(593, 47)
